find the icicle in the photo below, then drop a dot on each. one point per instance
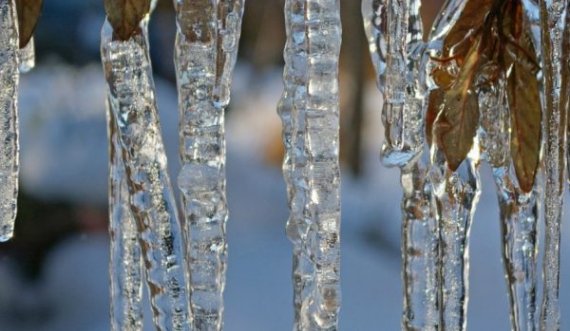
(9, 79)
(206, 51)
(394, 30)
(519, 210)
(295, 161)
(132, 101)
(309, 111)
(420, 251)
(126, 266)
(457, 194)
(555, 47)
(518, 218)
(27, 56)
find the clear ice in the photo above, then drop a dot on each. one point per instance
(420, 251)
(518, 209)
(395, 37)
(9, 79)
(131, 97)
(206, 48)
(126, 265)
(309, 109)
(456, 194)
(126, 268)
(555, 45)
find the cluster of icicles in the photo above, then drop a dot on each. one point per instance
(438, 204)
(184, 261)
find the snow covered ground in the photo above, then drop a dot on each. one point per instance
(64, 157)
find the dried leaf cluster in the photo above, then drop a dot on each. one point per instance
(490, 42)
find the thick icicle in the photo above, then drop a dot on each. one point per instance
(295, 161)
(206, 51)
(518, 219)
(394, 30)
(9, 79)
(456, 194)
(519, 210)
(310, 114)
(132, 101)
(27, 56)
(126, 267)
(555, 50)
(395, 35)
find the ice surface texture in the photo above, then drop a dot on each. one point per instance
(555, 45)
(132, 101)
(126, 264)
(206, 48)
(9, 79)
(309, 111)
(395, 36)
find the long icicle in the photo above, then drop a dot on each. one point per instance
(132, 101)
(206, 51)
(420, 251)
(295, 161)
(9, 81)
(456, 195)
(310, 114)
(518, 209)
(395, 36)
(126, 267)
(555, 47)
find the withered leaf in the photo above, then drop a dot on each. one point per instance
(125, 16)
(461, 36)
(490, 41)
(456, 124)
(28, 16)
(524, 103)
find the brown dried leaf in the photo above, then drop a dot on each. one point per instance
(488, 34)
(457, 122)
(524, 102)
(524, 105)
(125, 16)
(28, 16)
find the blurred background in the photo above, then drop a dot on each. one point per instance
(54, 273)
